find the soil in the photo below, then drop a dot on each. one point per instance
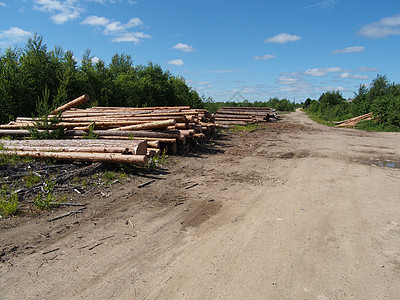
(291, 210)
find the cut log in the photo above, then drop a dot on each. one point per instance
(106, 146)
(126, 133)
(72, 149)
(71, 104)
(150, 125)
(88, 157)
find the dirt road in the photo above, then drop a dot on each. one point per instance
(293, 211)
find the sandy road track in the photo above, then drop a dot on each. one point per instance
(294, 211)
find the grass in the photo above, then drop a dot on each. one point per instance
(317, 119)
(8, 203)
(46, 199)
(247, 128)
(31, 180)
(372, 125)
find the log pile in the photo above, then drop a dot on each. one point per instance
(353, 121)
(122, 134)
(243, 115)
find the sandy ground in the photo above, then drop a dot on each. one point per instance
(293, 211)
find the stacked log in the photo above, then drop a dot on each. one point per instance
(353, 121)
(115, 129)
(243, 115)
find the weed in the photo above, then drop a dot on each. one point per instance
(46, 199)
(91, 135)
(157, 160)
(246, 128)
(8, 203)
(30, 180)
(109, 175)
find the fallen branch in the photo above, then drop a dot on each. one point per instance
(146, 183)
(67, 214)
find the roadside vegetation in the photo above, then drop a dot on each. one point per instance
(282, 105)
(26, 73)
(382, 98)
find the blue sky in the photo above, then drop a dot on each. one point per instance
(287, 49)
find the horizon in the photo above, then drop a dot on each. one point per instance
(259, 49)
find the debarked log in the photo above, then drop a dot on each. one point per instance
(71, 104)
(87, 157)
(149, 125)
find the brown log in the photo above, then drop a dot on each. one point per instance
(199, 135)
(150, 125)
(88, 157)
(153, 144)
(14, 132)
(181, 125)
(71, 104)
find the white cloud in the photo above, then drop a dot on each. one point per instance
(95, 59)
(118, 30)
(2, 4)
(383, 28)
(323, 5)
(130, 37)
(356, 76)
(60, 11)
(184, 47)
(283, 38)
(264, 57)
(12, 36)
(367, 69)
(316, 72)
(96, 21)
(349, 50)
(322, 72)
(176, 62)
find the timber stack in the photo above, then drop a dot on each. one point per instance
(353, 121)
(228, 116)
(111, 134)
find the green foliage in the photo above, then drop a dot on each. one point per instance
(247, 128)
(46, 127)
(276, 103)
(8, 203)
(46, 199)
(158, 159)
(26, 72)
(374, 125)
(31, 179)
(382, 99)
(91, 135)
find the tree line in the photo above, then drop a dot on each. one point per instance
(278, 104)
(382, 98)
(25, 73)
